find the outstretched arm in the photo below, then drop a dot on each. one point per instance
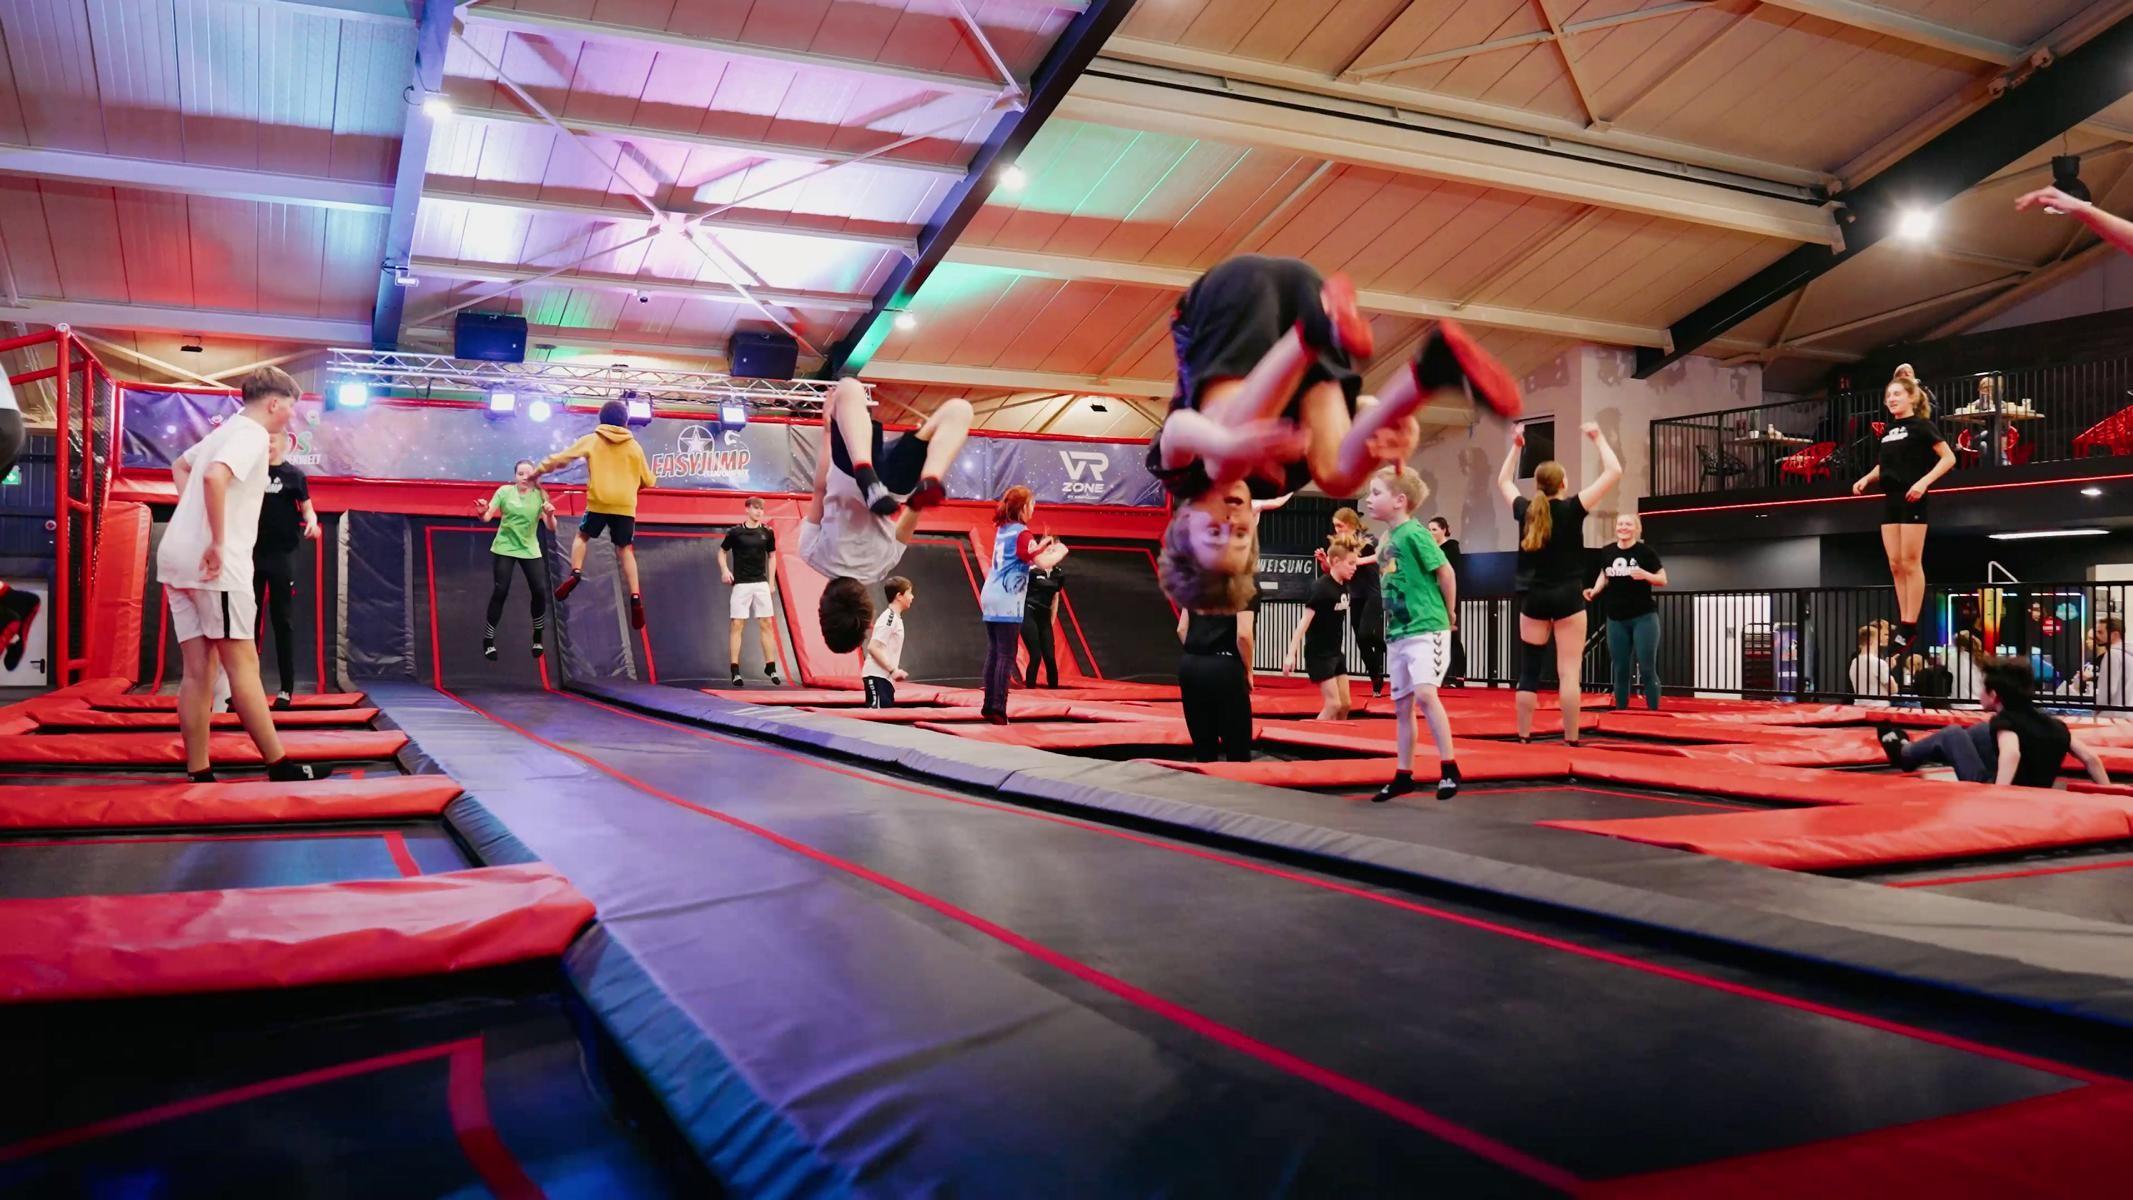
(1610, 469)
(2114, 229)
(1507, 476)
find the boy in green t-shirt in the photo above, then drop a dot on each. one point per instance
(520, 507)
(1420, 590)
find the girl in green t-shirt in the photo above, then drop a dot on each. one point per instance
(521, 508)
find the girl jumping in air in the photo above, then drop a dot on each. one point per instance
(519, 508)
(1913, 457)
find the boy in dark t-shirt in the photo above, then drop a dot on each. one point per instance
(286, 519)
(745, 560)
(2019, 745)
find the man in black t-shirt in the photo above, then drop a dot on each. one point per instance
(2019, 745)
(745, 559)
(1441, 529)
(286, 519)
(1037, 623)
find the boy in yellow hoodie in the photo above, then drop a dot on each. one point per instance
(616, 469)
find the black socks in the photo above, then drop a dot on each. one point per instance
(203, 776)
(296, 772)
(1402, 783)
(1448, 780)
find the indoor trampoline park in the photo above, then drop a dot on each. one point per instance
(984, 598)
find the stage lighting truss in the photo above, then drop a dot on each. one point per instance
(404, 371)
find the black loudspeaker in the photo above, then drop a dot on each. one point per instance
(489, 337)
(762, 355)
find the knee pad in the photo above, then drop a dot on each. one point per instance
(1531, 659)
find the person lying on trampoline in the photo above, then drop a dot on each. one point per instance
(2019, 746)
(868, 494)
(205, 567)
(616, 470)
(1269, 399)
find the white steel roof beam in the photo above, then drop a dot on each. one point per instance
(441, 268)
(1907, 27)
(950, 375)
(160, 319)
(194, 179)
(1061, 266)
(542, 24)
(789, 151)
(1306, 127)
(1163, 62)
(636, 217)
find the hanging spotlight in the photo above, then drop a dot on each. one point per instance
(404, 276)
(640, 410)
(906, 322)
(1012, 177)
(733, 416)
(539, 410)
(503, 404)
(351, 395)
(436, 107)
(2066, 176)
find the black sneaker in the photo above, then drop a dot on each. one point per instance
(17, 610)
(1448, 781)
(207, 776)
(1402, 783)
(282, 702)
(1892, 743)
(880, 501)
(738, 681)
(296, 772)
(771, 673)
(538, 649)
(488, 648)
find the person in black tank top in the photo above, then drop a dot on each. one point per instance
(1215, 683)
(1366, 599)
(1913, 456)
(1552, 566)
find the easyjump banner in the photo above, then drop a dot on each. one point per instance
(388, 441)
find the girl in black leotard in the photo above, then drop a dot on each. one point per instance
(1551, 563)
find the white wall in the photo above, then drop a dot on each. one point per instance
(2105, 286)
(1589, 383)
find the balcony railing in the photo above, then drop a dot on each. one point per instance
(2056, 413)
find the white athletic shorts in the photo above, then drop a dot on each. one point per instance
(1418, 661)
(224, 616)
(749, 600)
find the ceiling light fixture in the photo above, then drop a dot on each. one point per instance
(2092, 491)
(906, 322)
(2032, 534)
(2066, 176)
(437, 107)
(1916, 224)
(1012, 177)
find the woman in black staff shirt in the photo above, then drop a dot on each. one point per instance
(1913, 456)
(1551, 563)
(1629, 572)
(1038, 603)
(286, 518)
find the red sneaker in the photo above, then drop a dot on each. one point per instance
(930, 492)
(636, 612)
(1351, 329)
(1491, 380)
(569, 585)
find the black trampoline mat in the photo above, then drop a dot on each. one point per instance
(2095, 885)
(315, 563)
(944, 633)
(689, 610)
(338, 1092)
(456, 558)
(1488, 1018)
(139, 863)
(1525, 804)
(1113, 606)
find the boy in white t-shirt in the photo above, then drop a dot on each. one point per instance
(868, 494)
(205, 567)
(885, 646)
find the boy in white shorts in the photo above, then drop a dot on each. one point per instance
(1420, 591)
(205, 567)
(747, 561)
(868, 493)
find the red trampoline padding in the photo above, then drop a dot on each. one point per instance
(1902, 831)
(134, 701)
(248, 802)
(299, 718)
(166, 750)
(1478, 763)
(1745, 781)
(2066, 1144)
(1826, 748)
(1081, 735)
(104, 947)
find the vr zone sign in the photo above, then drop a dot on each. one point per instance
(1085, 472)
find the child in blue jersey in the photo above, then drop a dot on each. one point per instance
(1014, 551)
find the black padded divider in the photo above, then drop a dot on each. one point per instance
(380, 595)
(688, 606)
(944, 634)
(1113, 606)
(593, 624)
(454, 575)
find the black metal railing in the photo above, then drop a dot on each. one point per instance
(1826, 645)
(2056, 413)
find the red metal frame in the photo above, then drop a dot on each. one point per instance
(71, 596)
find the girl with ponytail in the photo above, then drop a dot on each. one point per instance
(1551, 574)
(1913, 456)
